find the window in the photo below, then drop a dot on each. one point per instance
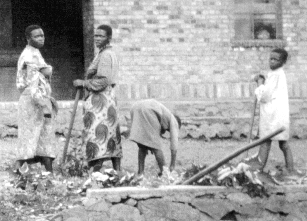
(258, 23)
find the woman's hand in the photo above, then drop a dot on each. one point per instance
(46, 71)
(259, 79)
(78, 83)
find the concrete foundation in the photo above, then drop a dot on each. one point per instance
(201, 119)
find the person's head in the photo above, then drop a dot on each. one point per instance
(278, 58)
(103, 35)
(35, 36)
(178, 122)
(263, 34)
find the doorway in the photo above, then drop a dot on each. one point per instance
(62, 23)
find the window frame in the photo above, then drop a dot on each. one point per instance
(251, 9)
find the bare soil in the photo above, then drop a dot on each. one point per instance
(189, 151)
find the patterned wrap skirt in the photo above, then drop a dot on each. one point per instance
(36, 134)
(101, 134)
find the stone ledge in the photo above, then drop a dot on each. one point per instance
(181, 203)
(289, 189)
(194, 190)
(259, 43)
(157, 192)
(122, 103)
(201, 119)
(62, 104)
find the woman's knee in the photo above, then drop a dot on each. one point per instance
(116, 162)
(283, 145)
(159, 155)
(96, 164)
(143, 150)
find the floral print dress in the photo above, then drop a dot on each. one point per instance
(36, 134)
(101, 134)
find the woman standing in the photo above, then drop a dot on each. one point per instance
(36, 108)
(101, 134)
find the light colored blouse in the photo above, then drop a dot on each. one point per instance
(105, 64)
(28, 74)
(274, 105)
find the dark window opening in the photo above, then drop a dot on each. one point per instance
(258, 22)
(60, 20)
(62, 23)
(264, 30)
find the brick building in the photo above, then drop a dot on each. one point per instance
(197, 56)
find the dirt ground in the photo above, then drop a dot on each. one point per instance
(189, 151)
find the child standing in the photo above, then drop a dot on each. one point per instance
(274, 108)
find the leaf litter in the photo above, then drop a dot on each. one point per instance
(38, 195)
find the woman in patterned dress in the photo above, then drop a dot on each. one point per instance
(36, 108)
(101, 134)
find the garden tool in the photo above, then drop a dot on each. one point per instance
(252, 122)
(260, 76)
(72, 119)
(220, 163)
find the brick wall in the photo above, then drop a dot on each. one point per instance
(182, 50)
(181, 53)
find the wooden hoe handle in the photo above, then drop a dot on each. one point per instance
(71, 124)
(231, 156)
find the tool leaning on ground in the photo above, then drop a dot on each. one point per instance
(71, 124)
(73, 115)
(230, 157)
(250, 138)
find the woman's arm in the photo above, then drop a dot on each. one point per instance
(174, 134)
(104, 68)
(96, 84)
(265, 92)
(97, 74)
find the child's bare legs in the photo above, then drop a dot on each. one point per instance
(97, 164)
(160, 159)
(263, 153)
(116, 163)
(143, 150)
(285, 148)
(141, 158)
(47, 162)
